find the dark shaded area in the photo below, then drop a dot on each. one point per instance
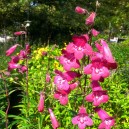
(15, 99)
(56, 21)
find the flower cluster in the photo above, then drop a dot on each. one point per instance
(14, 63)
(97, 68)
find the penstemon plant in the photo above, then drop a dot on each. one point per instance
(80, 61)
(86, 64)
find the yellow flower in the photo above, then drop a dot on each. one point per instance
(38, 56)
(56, 64)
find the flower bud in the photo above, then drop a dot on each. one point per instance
(41, 102)
(54, 121)
(80, 10)
(11, 50)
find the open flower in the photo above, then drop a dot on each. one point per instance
(62, 78)
(98, 95)
(11, 50)
(12, 65)
(97, 69)
(61, 82)
(62, 96)
(22, 54)
(107, 121)
(54, 121)
(41, 102)
(82, 119)
(69, 61)
(79, 47)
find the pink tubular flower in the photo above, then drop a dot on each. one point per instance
(18, 33)
(94, 32)
(90, 19)
(80, 10)
(107, 121)
(97, 69)
(22, 54)
(28, 50)
(54, 121)
(98, 95)
(41, 102)
(79, 47)
(11, 50)
(62, 96)
(70, 75)
(23, 69)
(47, 77)
(82, 119)
(108, 55)
(61, 80)
(69, 61)
(73, 85)
(12, 66)
(14, 59)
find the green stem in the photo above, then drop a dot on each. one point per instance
(8, 101)
(27, 89)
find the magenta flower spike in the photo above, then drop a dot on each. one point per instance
(94, 32)
(62, 96)
(107, 121)
(11, 50)
(69, 61)
(90, 19)
(82, 119)
(80, 10)
(41, 102)
(79, 47)
(54, 121)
